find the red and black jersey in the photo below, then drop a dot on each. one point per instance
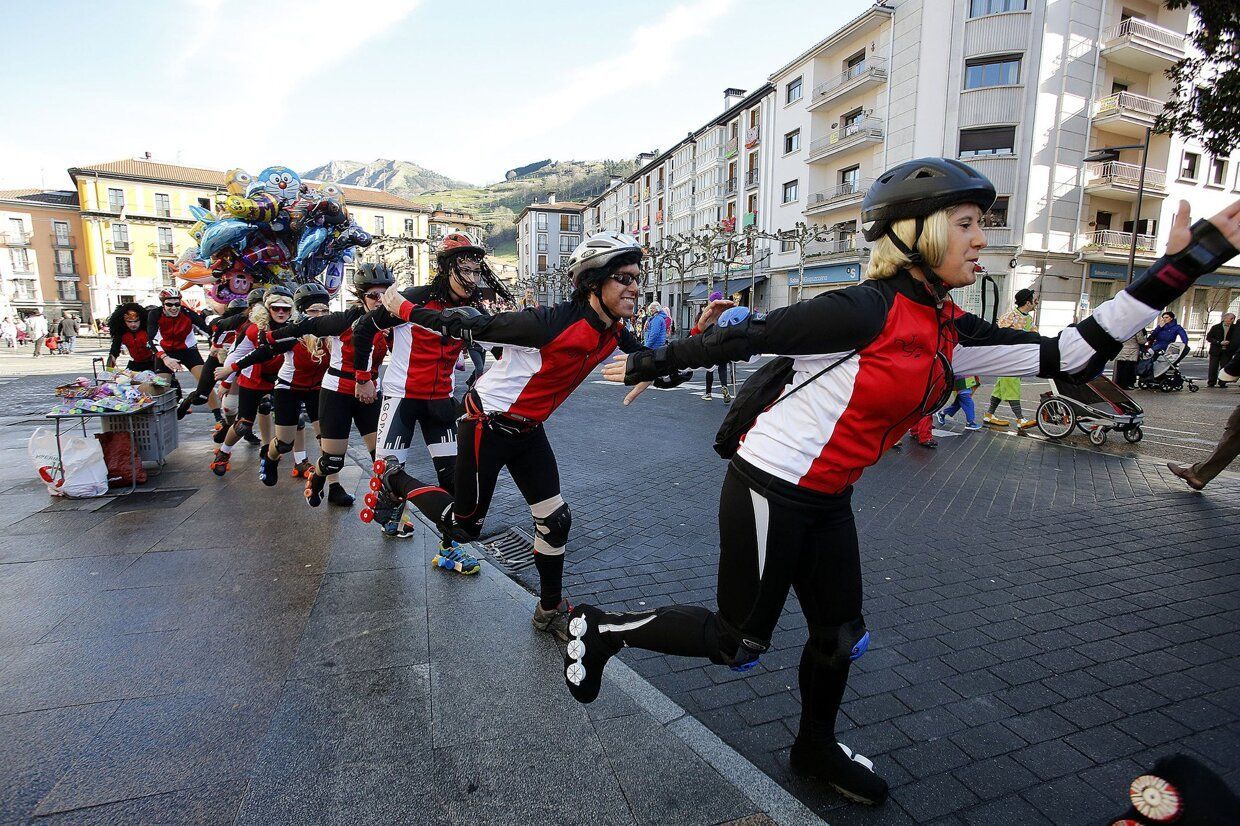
(174, 332)
(222, 330)
(423, 363)
(548, 352)
(137, 343)
(257, 374)
(301, 370)
(339, 330)
(907, 348)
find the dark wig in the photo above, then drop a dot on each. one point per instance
(445, 266)
(592, 280)
(116, 321)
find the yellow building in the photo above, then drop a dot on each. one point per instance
(135, 220)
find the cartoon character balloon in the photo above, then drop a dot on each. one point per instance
(280, 182)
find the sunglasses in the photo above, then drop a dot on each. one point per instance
(316, 309)
(624, 278)
(172, 303)
(376, 295)
(279, 308)
(467, 271)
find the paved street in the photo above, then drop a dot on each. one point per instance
(1047, 619)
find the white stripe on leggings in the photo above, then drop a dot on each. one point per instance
(761, 516)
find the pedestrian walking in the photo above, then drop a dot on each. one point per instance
(656, 326)
(1224, 341)
(1126, 361)
(8, 332)
(36, 330)
(964, 401)
(1007, 388)
(723, 367)
(23, 331)
(1199, 475)
(68, 329)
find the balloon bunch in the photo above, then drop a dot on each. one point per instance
(270, 229)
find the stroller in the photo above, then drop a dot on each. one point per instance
(1158, 371)
(1096, 407)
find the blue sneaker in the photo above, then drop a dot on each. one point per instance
(972, 426)
(940, 418)
(268, 469)
(456, 558)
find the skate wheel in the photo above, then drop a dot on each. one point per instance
(1155, 798)
(380, 467)
(371, 500)
(366, 515)
(375, 483)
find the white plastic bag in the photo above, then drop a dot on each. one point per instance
(85, 474)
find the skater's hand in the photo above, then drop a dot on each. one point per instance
(222, 373)
(615, 372)
(392, 299)
(1227, 222)
(172, 364)
(364, 391)
(712, 312)
(637, 390)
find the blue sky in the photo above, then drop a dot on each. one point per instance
(466, 89)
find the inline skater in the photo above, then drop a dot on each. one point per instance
(867, 362)
(127, 330)
(171, 325)
(221, 335)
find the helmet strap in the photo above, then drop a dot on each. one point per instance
(937, 288)
(598, 292)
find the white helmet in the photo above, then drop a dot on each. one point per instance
(597, 250)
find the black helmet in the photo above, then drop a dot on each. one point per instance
(918, 188)
(255, 297)
(238, 304)
(373, 275)
(311, 293)
(279, 294)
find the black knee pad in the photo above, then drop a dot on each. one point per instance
(730, 646)
(243, 427)
(841, 644)
(283, 447)
(264, 406)
(331, 463)
(554, 527)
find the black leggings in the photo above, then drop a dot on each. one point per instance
(337, 411)
(287, 405)
(399, 417)
(250, 403)
(774, 536)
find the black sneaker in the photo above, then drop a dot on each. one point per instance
(588, 651)
(337, 495)
(268, 469)
(849, 773)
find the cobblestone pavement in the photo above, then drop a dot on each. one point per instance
(1046, 619)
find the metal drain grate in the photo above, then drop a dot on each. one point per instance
(150, 500)
(513, 549)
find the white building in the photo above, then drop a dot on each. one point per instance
(546, 235)
(1023, 91)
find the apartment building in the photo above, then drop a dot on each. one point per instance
(39, 231)
(547, 234)
(1025, 91)
(444, 222)
(135, 217)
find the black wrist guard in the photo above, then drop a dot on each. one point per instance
(646, 365)
(1172, 275)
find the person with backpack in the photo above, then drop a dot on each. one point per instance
(858, 367)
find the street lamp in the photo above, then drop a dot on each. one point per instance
(1110, 154)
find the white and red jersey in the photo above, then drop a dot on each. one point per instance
(260, 375)
(423, 362)
(548, 352)
(138, 345)
(907, 351)
(301, 370)
(174, 332)
(337, 331)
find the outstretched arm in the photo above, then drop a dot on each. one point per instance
(525, 328)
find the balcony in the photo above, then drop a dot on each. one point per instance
(1127, 114)
(1141, 45)
(865, 75)
(865, 132)
(730, 148)
(729, 186)
(118, 246)
(751, 179)
(63, 242)
(840, 249)
(115, 208)
(1117, 180)
(15, 239)
(845, 195)
(658, 187)
(1109, 243)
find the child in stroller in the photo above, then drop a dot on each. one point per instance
(1159, 370)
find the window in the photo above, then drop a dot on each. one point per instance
(787, 246)
(123, 268)
(981, 8)
(64, 262)
(851, 122)
(855, 65)
(542, 263)
(542, 243)
(998, 214)
(753, 118)
(792, 141)
(61, 231)
(19, 257)
(67, 290)
(1218, 171)
(540, 221)
(205, 203)
(567, 244)
(409, 226)
(850, 179)
(120, 236)
(378, 225)
(17, 231)
(1188, 169)
(116, 200)
(790, 192)
(163, 206)
(995, 140)
(165, 239)
(166, 278)
(571, 223)
(992, 71)
(792, 92)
